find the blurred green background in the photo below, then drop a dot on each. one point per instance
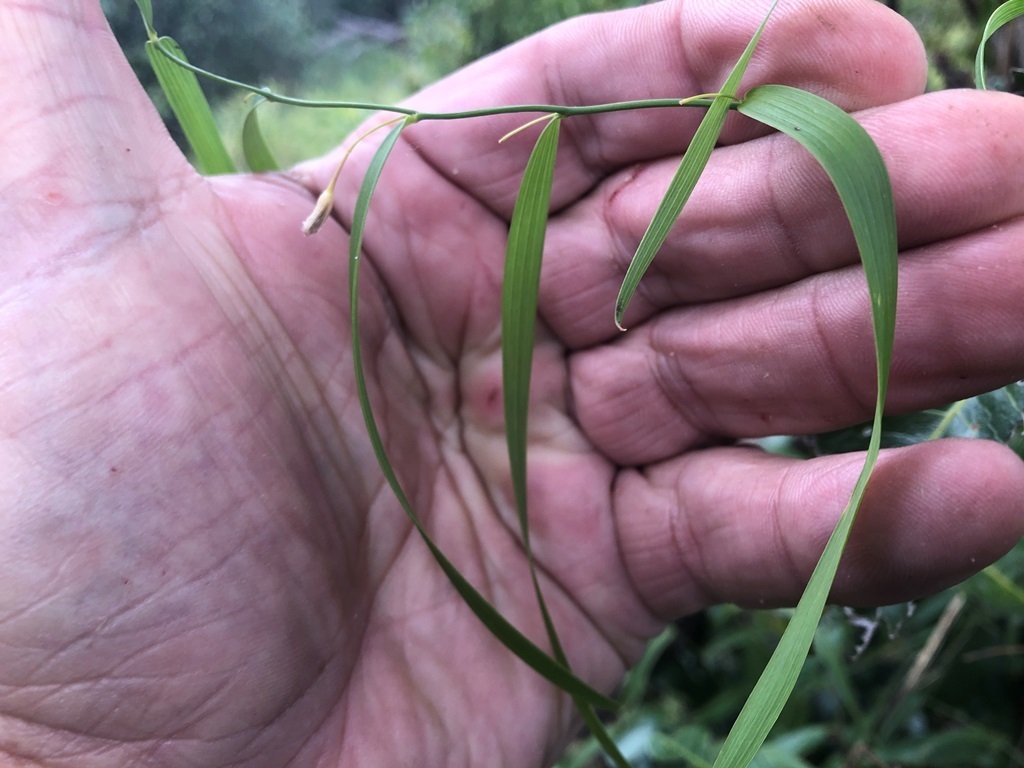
(935, 683)
(383, 50)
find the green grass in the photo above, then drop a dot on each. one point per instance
(295, 135)
(896, 704)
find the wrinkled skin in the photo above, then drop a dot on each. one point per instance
(199, 562)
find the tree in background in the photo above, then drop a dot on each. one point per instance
(254, 40)
(251, 40)
(496, 23)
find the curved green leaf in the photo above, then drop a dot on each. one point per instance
(519, 301)
(255, 149)
(520, 287)
(146, 9)
(190, 107)
(1000, 17)
(498, 625)
(682, 185)
(853, 162)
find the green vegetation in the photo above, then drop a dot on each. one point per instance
(387, 49)
(328, 50)
(936, 683)
(931, 684)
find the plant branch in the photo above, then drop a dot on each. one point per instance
(553, 109)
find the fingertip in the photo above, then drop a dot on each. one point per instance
(738, 525)
(855, 53)
(933, 515)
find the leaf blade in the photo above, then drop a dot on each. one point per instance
(258, 155)
(852, 161)
(500, 627)
(1000, 17)
(694, 161)
(520, 287)
(146, 9)
(190, 108)
(856, 168)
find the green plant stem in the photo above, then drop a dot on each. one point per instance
(553, 109)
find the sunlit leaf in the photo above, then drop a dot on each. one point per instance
(190, 108)
(512, 638)
(1000, 17)
(854, 165)
(682, 185)
(258, 155)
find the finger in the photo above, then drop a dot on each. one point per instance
(737, 525)
(801, 359)
(77, 128)
(856, 53)
(765, 214)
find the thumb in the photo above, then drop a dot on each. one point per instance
(77, 128)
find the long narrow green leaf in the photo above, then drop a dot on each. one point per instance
(1000, 17)
(255, 149)
(500, 627)
(146, 9)
(520, 287)
(519, 302)
(690, 169)
(853, 162)
(776, 683)
(191, 108)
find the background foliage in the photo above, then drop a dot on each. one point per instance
(386, 49)
(936, 683)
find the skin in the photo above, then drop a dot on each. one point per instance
(199, 562)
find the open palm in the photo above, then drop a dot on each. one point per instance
(200, 563)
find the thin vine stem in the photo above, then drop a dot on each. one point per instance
(554, 109)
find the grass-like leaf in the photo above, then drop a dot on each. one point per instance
(519, 302)
(497, 624)
(1015, 593)
(258, 155)
(1000, 17)
(853, 162)
(520, 287)
(690, 169)
(190, 108)
(146, 9)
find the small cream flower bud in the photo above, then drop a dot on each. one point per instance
(316, 219)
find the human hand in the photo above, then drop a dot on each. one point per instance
(200, 563)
